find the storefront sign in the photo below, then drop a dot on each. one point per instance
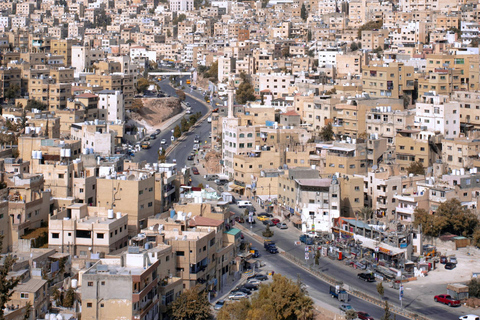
(386, 251)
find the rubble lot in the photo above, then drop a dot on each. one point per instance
(468, 260)
(155, 111)
(211, 162)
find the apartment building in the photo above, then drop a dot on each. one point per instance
(87, 231)
(384, 122)
(374, 39)
(460, 152)
(133, 193)
(415, 145)
(276, 83)
(33, 147)
(318, 202)
(130, 285)
(345, 157)
(33, 291)
(393, 80)
(96, 137)
(469, 109)
(435, 113)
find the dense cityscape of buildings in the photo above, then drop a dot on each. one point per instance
(356, 104)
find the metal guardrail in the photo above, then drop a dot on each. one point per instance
(333, 281)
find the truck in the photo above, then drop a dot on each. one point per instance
(254, 252)
(447, 299)
(306, 239)
(339, 293)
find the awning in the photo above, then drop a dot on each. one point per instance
(251, 261)
(296, 220)
(236, 187)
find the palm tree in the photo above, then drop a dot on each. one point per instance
(365, 213)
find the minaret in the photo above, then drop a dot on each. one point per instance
(230, 91)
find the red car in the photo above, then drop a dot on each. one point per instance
(364, 316)
(275, 221)
(446, 299)
(195, 171)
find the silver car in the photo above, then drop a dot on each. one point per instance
(282, 225)
(237, 295)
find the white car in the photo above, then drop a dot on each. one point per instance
(469, 317)
(254, 281)
(237, 295)
(163, 141)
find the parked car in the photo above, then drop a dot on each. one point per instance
(265, 214)
(282, 225)
(364, 316)
(446, 299)
(158, 131)
(366, 277)
(275, 221)
(469, 317)
(262, 218)
(190, 158)
(237, 295)
(254, 281)
(250, 286)
(268, 223)
(242, 289)
(195, 171)
(346, 307)
(259, 277)
(450, 266)
(452, 260)
(219, 305)
(153, 136)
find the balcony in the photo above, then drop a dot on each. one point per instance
(405, 210)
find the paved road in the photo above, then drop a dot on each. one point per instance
(317, 289)
(151, 155)
(414, 300)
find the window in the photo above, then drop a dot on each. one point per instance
(55, 235)
(89, 304)
(100, 235)
(357, 200)
(180, 253)
(24, 295)
(357, 188)
(90, 283)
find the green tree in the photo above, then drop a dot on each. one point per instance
(169, 33)
(69, 299)
(28, 311)
(267, 233)
(380, 289)
(181, 17)
(416, 168)
(303, 12)
(365, 213)
(57, 296)
(245, 91)
(12, 91)
(309, 36)
(326, 134)
(200, 185)
(350, 315)
(181, 95)
(177, 132)
(371, 25)
(161, 156)
(7, 284)
(354, 46)
(474, 288)
(388, 314)
(212, 72)
(285, 52)
(265, 3)
(235, 311)
(142, 85)
(191, 305)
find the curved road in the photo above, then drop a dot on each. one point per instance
(151, 155)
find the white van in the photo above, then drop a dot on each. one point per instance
(243, 204)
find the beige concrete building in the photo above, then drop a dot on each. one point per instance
(132, 193)
(392, 80)
(87, 231)
(460, 153)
